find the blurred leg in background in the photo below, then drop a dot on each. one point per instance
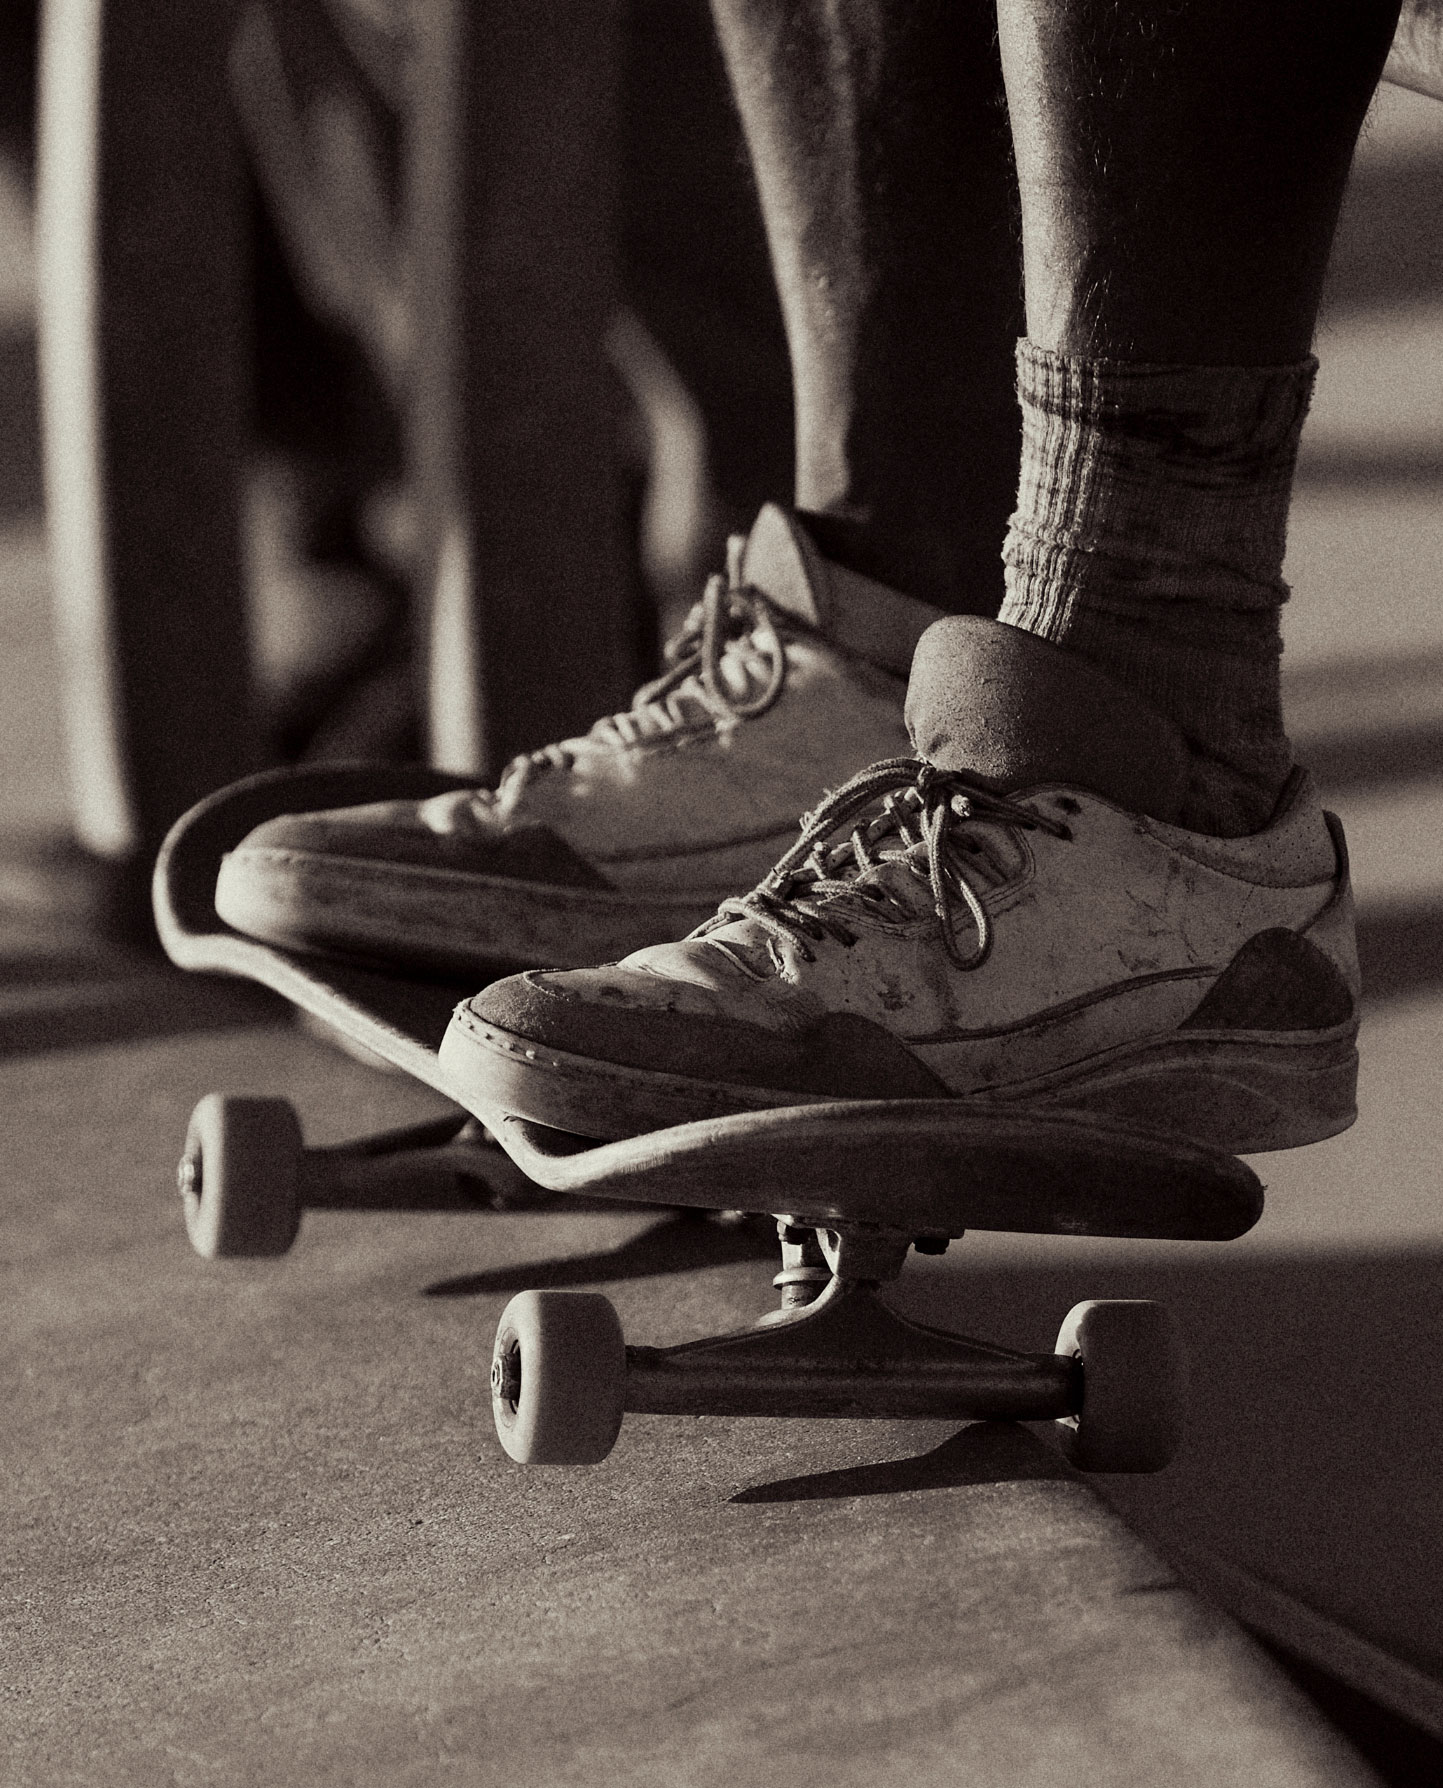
(879, 137)
(143, 331)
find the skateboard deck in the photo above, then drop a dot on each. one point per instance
(924, 1164)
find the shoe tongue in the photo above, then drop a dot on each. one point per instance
(1019, 711)
(781, 562)
(863, 617)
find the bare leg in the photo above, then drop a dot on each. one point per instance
(879, 140)
(1181, 168)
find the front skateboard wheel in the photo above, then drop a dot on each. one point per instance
(239, 1177)
(557, 1374)
(1134, 1385)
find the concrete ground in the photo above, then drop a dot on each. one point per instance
(259, 1530)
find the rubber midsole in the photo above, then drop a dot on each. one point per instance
(447, 921)
(1248, 1093)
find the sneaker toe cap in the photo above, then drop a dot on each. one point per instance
(635, 1020)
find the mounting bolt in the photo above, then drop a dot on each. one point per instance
(187, 1176)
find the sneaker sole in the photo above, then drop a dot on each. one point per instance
(1249, 1092)
(495, 1073)
(1244, 1092)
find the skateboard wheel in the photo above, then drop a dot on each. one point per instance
(239, 1177)
(1134, 1385)
(557, 1374)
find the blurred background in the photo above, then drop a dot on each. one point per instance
(352, 453)
(279, 301)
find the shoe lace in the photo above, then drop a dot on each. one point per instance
(729, 611)
(921, 820)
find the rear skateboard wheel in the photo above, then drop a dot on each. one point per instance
(1134, 1385)
(557, 1374)
(239, 1177)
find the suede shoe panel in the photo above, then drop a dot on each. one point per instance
(1278, 981)
(839, 1055)
(403, 832)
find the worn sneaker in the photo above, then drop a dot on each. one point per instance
(789, 677)
(1010, 916)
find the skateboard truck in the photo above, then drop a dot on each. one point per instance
(562, 1377)
(246, 1178)
(866, 1183)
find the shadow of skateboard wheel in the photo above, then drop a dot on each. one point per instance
(239, 1177)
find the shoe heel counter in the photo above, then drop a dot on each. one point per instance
(1292, 981)
(1335, 930)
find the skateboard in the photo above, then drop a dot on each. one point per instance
(854, 1186)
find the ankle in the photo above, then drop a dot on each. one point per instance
(1149, 538)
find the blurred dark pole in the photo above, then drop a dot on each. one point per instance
(512, 200)
(19, 32)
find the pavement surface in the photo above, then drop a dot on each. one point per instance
(259, 1528)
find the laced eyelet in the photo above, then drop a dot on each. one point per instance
(921, 806)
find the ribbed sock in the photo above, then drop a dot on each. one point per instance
(1149, 533)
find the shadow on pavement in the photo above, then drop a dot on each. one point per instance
(681, 1244)
(981, 1453)
(1400, 950)
(1376, 759)
(20, 486)
(1315, 1411)
(1389, 246)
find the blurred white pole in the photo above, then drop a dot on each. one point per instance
(67, 189)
